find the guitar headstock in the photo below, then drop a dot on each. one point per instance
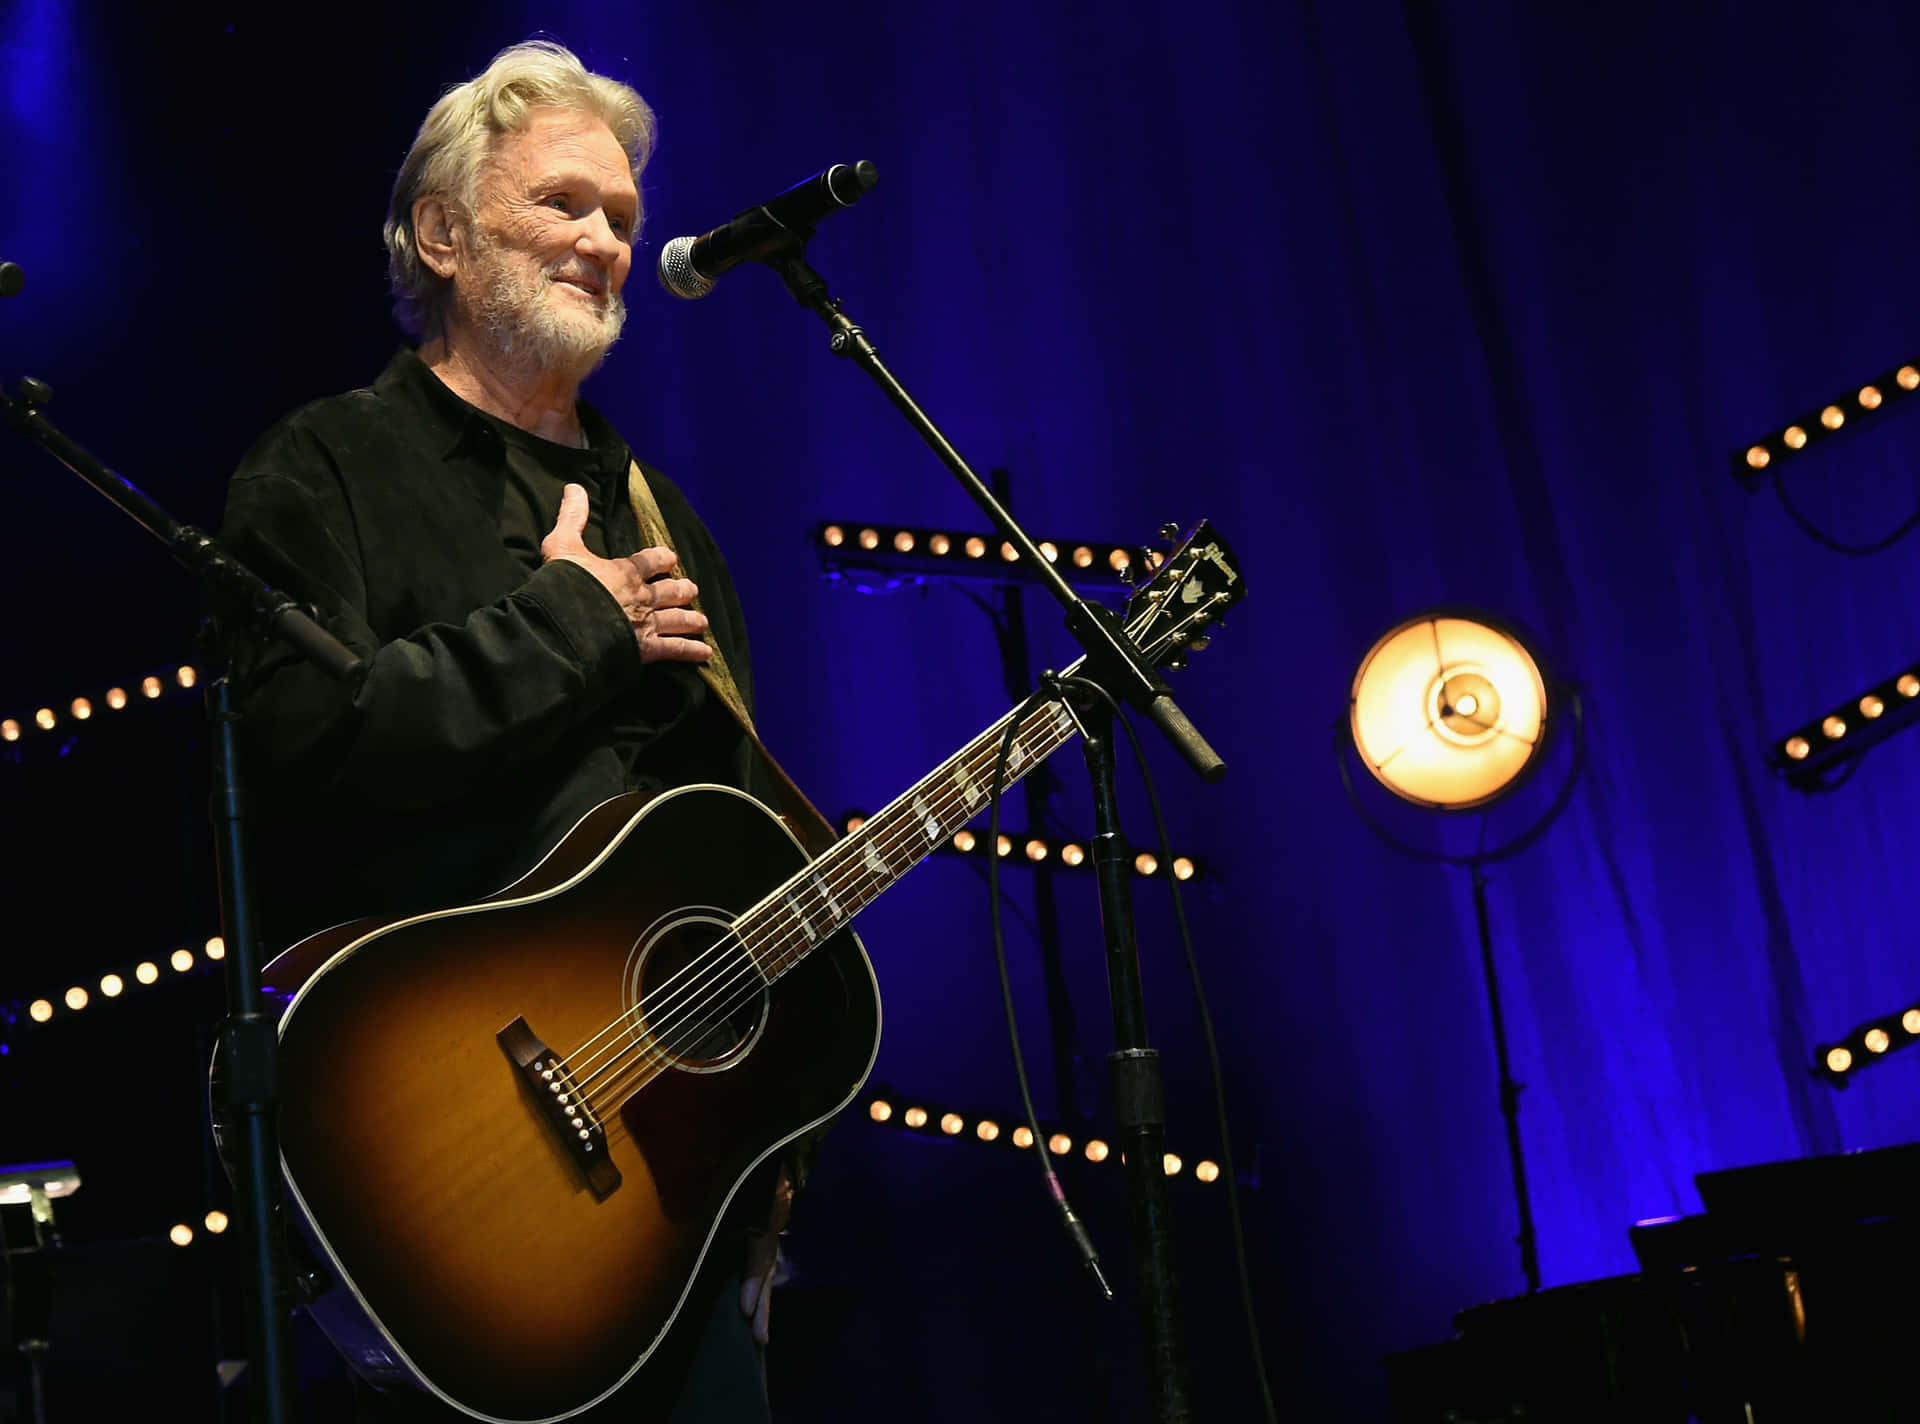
(1190, 589)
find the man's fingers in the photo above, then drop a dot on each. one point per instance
(572, 520)
(655, 649)
(651, 562)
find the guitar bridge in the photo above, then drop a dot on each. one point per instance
(562, 1106)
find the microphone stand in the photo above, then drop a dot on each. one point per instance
(1115, 665)
(249, 1037)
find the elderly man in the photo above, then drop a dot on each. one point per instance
(545, 621)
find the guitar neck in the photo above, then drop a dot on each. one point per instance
(781, 930)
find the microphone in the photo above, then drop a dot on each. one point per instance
(12, 279)
(689, 265)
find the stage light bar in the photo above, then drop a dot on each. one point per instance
(76, 997)
(922, 1117)
(1866, 1045)
(81, 709)
(1869, 401)
(1036, 850)
(1841, 735)
(873, 557)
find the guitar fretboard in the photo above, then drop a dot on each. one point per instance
(782, 929)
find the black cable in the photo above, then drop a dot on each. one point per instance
(1084, 1244)
(1213, 1048)
(1852, 550)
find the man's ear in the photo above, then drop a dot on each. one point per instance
(433, 234)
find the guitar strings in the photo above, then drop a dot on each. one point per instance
(713, 1001)
(833, 879)
(717, 962)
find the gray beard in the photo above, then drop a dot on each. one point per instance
(530, 334)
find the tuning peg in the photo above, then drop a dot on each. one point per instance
(1170, 532)
(1199, 645)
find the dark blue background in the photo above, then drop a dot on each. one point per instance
(1418, 303)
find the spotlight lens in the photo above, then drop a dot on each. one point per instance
(1871, 707)
(1757, 457)
(940, 544)
(216, 948)
(1794, 436)
(1036, 850)
(1839, 1060)
(112, 985)
(951, 1123)
(1118, 560)
(1050, 550)
(903, 541)
(76, 997)
(116, 698)
(1172, 1165)
(1096, 1151)
(916, 1117)
(10, 730)
(1207, 1171)
(1910, 1021)
(1908, 686)
(1877, 1041)
(1071, 854)
(833, 536)
(1833, 417)
(854, 823)
(146, 973)
(1182, 868)
(1059, 1144)
(1146, 863)
(149, 687)
(1023, 1137)
(216, 1222)
(181, 960)
(181, 1235)
(1908, 378)
(40, 1010)
(986, 1129)
(185, 676)
(1082, 557)
(1870, 397)
(1009, 553)
(880, 1110)
(1834, 728)
(81, 709)
(869, 538)
(963, 840)
(976, 547)
(43, 719)
(1003, 846)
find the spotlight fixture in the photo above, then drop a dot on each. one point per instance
(1837, 738)
(882, 557)
(1869, 401)
(1451, 712)
(1866, 1044)
(1448, 711)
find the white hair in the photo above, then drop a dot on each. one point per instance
(456, 139)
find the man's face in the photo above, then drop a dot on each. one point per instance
(551, 244)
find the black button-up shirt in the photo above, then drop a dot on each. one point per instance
(504, 698)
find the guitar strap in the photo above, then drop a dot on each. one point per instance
(815, 831)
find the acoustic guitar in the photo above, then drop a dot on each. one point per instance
(510, 1131)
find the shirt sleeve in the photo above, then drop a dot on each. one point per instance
(440, 709)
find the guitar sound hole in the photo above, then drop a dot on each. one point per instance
(701, 998)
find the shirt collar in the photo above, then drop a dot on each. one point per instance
(459, 429)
